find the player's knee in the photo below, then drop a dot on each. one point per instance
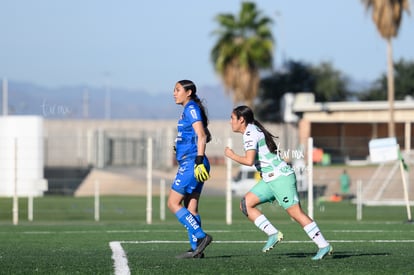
(170, 205)
(173, 206)
(243, 206)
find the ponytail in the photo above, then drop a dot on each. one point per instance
(203, 116)
(269, 138)
(247, 114)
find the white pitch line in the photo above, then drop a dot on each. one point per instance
(169, 231)
(245, 242)
(120, 259)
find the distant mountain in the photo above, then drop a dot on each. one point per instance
(82, 101)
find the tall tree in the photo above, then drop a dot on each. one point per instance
(403, 79)
(387, 16)
(323, 80)
(330, 84)
(244, 46)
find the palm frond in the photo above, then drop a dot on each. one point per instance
(387, 15)
(244, 46)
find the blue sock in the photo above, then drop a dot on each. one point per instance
(190, 222)
(191, 237)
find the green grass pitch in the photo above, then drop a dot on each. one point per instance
(63, 238)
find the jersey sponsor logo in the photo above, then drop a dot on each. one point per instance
(181, 169)
(285, 169)
(248, 143)
(192, 221)
(193, 113)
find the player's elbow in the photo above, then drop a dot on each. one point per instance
(202, 137)
(249, 162)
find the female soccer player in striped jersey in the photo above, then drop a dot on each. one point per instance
(193, 166)
(278, 182)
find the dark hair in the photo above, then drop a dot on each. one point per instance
(247, 114)
(189, 85)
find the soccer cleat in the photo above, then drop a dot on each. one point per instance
(322, 252)
(272, 241)
(189, 254)
(199, 256)
(202, 244)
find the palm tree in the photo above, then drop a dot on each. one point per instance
(244, 46)
(387, 15)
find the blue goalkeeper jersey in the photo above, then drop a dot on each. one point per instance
(186, 141)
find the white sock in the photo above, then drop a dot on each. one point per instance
(263, 224)
(315, 234)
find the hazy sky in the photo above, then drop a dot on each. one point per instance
(151, 44)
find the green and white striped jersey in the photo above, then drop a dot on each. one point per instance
(269, 164)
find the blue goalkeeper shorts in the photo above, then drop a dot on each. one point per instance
(185, 182)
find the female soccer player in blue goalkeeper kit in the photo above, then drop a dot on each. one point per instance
(193, 166)
(278, 182)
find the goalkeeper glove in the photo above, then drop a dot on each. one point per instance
(200, 172)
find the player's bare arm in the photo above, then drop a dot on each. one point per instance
(247, 159)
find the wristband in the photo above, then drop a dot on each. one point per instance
(199, 160)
